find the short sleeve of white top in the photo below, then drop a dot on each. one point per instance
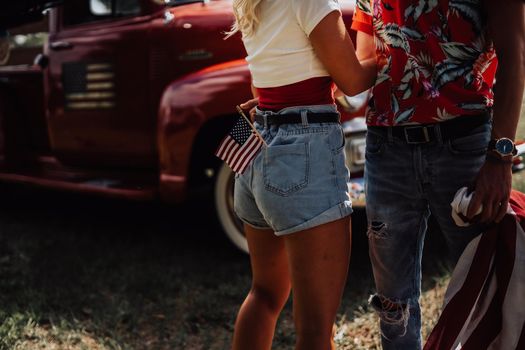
(279, 52)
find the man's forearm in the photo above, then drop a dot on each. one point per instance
(366, 53)
(507, 31)
(508, 96)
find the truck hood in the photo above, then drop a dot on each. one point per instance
(220, 12)
(216, 12)
(194, 33)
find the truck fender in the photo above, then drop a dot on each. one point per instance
(187, 104)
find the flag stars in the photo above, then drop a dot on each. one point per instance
(240, 146)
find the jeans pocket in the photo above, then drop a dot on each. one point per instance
(374, 143)
(286, 168)
(475, 144)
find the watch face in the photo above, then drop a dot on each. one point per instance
(504, 146)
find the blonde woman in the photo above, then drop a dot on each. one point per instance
(293, 197)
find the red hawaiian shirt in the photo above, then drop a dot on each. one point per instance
(434, 62)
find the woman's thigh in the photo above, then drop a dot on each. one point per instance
(269, 262)
(319, 261)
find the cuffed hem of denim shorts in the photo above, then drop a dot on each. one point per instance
(257, 226)
(334, 213)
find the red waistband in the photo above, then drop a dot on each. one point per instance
(314, 91)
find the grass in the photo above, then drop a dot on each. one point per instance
(90, 274)
(358, 329)
(83, 273)
(110, 275)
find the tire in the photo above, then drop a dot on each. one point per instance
(5, 50)
(230, 223)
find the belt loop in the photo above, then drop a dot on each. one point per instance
(389, 135)
(304, 117)
(437, 132)
(265, 120)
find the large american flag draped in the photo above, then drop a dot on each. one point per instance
(484, 304)
(240, 146)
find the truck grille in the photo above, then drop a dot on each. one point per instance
(88, 85)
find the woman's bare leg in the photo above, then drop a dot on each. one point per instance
(257, 317)
(319, 261)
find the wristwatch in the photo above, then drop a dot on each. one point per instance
(503, 147)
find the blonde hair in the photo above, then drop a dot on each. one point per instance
(246, 17)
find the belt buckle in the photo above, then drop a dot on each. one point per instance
(425, 136)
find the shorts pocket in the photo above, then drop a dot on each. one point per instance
(475, 144)
(336, 139)
(286, 168)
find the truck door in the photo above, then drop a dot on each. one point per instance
(98, 104)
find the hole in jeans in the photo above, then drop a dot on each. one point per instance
(377, 229)
(391, 312)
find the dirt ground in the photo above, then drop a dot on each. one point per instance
(90, 273)
(82, 273)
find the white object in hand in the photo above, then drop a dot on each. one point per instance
(460, 205)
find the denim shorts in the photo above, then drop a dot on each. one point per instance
(299, 180)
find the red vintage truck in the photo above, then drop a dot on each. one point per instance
(130, 98)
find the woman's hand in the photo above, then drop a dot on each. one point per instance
(250, 106)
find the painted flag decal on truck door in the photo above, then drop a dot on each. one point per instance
(88, 85)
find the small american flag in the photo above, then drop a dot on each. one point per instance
(240, 146)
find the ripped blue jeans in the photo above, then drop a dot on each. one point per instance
(404, 184)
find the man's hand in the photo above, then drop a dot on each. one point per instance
(506, 30)
(492, 192)
(250, 106)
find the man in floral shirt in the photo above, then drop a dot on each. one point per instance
(434, 126)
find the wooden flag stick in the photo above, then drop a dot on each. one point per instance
(241, 112)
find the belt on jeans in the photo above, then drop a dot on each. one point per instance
(427, 133)
(295, 118)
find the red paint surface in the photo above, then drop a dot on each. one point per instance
(171, 80)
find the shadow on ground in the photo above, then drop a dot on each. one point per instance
(128, 275)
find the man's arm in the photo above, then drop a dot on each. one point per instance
(506, 29)
(365, 47)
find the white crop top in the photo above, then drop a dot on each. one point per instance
(279, 52)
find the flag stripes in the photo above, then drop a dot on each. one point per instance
(484, 304)
(240, 146)
(89, 85)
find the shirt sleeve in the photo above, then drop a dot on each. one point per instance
(310, 12)
(362, 20)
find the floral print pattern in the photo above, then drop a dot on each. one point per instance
(434, 62)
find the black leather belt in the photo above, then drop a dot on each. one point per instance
(295, 118)
(427, 133)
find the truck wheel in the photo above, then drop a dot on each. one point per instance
(231, 225)
(5, 50)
